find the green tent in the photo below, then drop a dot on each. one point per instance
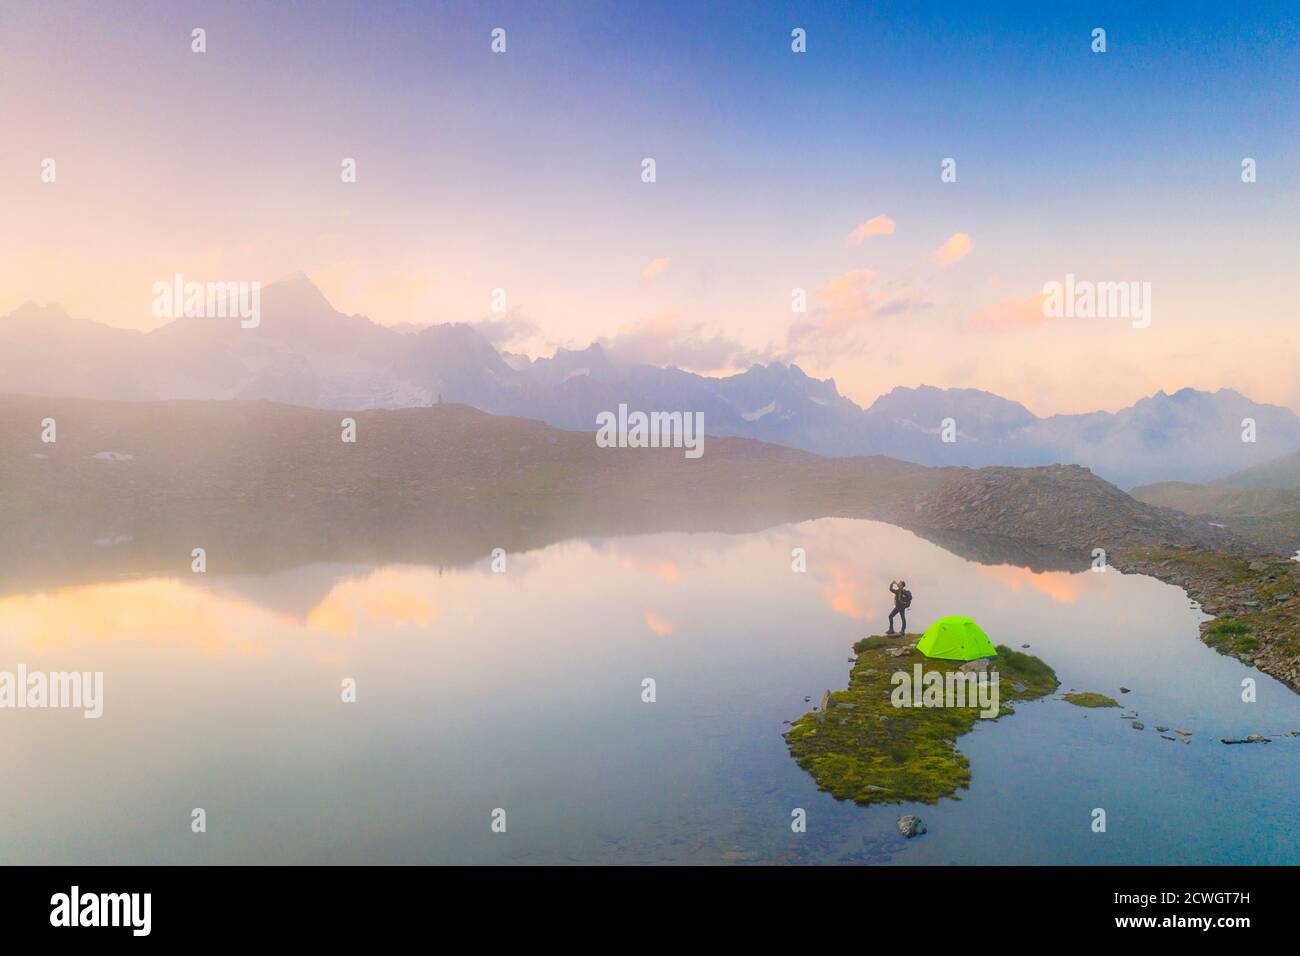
(955, 638)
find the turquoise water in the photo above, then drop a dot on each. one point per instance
(522, 691)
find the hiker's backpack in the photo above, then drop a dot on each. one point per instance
(904, 598)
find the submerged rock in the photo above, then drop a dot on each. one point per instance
(911, 825)
(1138, 725)
(1252, 739)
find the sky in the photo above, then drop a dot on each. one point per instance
(775, 171)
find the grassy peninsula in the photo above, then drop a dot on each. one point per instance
(862, 747)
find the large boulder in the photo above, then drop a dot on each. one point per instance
(911, 825)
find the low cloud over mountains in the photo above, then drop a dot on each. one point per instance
(305, 352)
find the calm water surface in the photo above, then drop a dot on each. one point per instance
(478, 690)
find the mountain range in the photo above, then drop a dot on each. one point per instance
(305, 352)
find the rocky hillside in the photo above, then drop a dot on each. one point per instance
(1268, 517)
(1065, 506)
(1281, 472)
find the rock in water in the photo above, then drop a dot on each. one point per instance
(1252, 739)
(1138, 725)
(911, 826)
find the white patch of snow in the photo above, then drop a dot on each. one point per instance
(767, 409)
(112, 456)
(577, 373)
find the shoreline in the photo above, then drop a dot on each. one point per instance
(1255, 602)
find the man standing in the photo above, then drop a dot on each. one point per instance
(902, 601)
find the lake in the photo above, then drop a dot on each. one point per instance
(522, 690)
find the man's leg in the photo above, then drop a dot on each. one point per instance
(891, 621)
(902, 618)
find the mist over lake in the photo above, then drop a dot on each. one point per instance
(478, 690)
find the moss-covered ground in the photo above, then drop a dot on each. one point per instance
(866, 749)
(1088, 698)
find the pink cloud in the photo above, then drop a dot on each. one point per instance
(657, 624)
(875, 226)
(667, 340)
(1012, 312)
(656, 267)
(845, 304)
(957, 247)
